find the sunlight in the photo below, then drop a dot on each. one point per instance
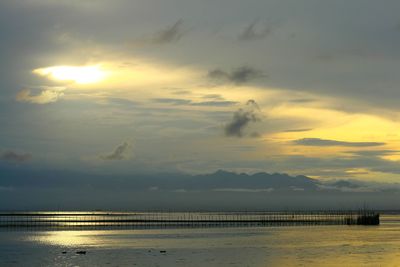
(77, 74)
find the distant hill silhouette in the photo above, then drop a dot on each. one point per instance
(222, 190)
(219, 180)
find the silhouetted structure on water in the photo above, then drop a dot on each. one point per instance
(184, 219)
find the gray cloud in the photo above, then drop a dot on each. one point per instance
(326, 142)
(330, 167)
(121, 152)
(254, 31)
(351, 188)
(255, 135)
(213, 96)
(238, 76)
(171, 34)
(215, 103)
(242, 118)
(179, 102)
(374, 153)
(244, 190)
(302, 100)
(326, 167)
(173, 101)
(298, 130)
(13, 156)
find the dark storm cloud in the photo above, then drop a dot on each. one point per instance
(238, 76)
(171, 34)
(326, 142)
(242, 118)
(121, 152)
(13, 156)
(254, 31)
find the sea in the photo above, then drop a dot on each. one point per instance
(310, 245)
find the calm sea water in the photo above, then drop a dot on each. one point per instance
(267, 246)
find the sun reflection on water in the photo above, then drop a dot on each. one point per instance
(67, 238)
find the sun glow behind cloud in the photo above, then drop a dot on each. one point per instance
(77, 74)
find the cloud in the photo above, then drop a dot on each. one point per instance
(171, 34)
(326, 142)
(242, 118)
(47, 95)
(244, 190)
(348, 189)
(255, 135)
(182, 92)
(302, 100)
(254, 32)
(13, 156)
(213, 96)
(238, 76)
(121, 152)
(334, 166)
(357, 186)
(374, 153)
(298, 130)
(215, 103)
(180, 102)
(173, 101)
(122, 102)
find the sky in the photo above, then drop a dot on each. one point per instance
(304, 87)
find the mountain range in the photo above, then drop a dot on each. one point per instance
(219, 190)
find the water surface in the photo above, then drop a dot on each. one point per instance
(261, 246)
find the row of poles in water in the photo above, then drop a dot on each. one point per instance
(185, 219)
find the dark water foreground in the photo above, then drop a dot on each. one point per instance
(183, 219)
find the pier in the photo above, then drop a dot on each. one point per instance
(183, 219)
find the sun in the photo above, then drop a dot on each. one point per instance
(77, 74)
